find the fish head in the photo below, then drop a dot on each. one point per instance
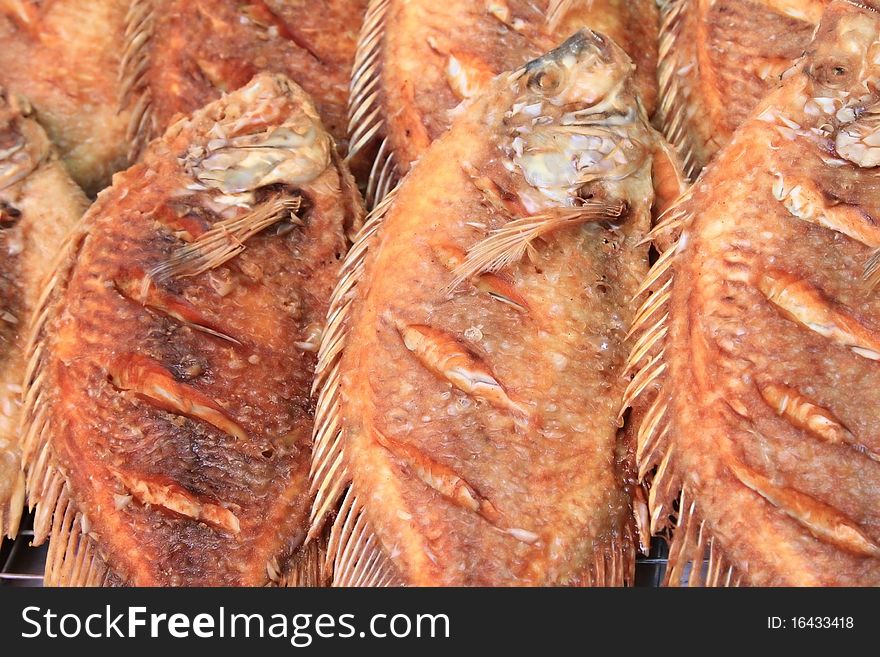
(23, 145)
(842, 82)
(248, 148)
(575, 119)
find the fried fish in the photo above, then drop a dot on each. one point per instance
(168, 420)
(64, 57)
(39, 204)
(181, 54)
(470, 375)
(759, 342)
(418, 59)
(718, 59)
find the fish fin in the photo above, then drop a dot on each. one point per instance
(329, 475)
(613, 564)
(304, 568)
(670, 181)
(354, 554)
(365, 115)
(42, 480)
(225, 240)
(10, 514)
(649, 326)
(871, 273)
(556, 11)
(384, 175)
(668, 226)
(654, 452)
(134, 88)
(73, 558)
(695, 558)
(507, 245)
(642, 519)
(673, 107)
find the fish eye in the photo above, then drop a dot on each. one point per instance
(546, 81)
(833, 74)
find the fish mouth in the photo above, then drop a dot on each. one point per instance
(578, 44)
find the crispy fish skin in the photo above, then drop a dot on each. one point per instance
(718, 59)
(64, 57)
(763, 374)
(181, 54)
(418, 59)
(481, 319)
(168, 417)
(39, 204)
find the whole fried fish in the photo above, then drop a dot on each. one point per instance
(64, 57)
(181, 54)
(39, 204)
(418, 59)
(168, 418)
(718, 59)
(470, 374)
(759, 344)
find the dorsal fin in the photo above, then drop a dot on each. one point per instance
(134, 88)
(673, 105)
(328, 472)
(73, 559)
(366, 122)
(354, 553)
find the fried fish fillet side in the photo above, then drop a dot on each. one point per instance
(417, 60)
(39, 204)
(64, 57)
(168, 418)
(181, 54)
(761, 338)
(718, 58)
(471, 370)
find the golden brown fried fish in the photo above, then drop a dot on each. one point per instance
(39, 204)
(168, 417)
(470, 375)
(181, 54)
(418, 59)
(759, 345)
(64, 56)
(718, 59)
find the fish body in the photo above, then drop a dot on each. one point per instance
(38, 205)
(761, 335)
(718, 59)
(181, 54)
(417, 60)
(472, 363)
(64, 57)
(168, 419)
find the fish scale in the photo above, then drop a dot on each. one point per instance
(161, 449)
(64, 56)
(761, 380)
(38, 205)
(181, 54)
(417, 61)
(469, 379)
(718, 58)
